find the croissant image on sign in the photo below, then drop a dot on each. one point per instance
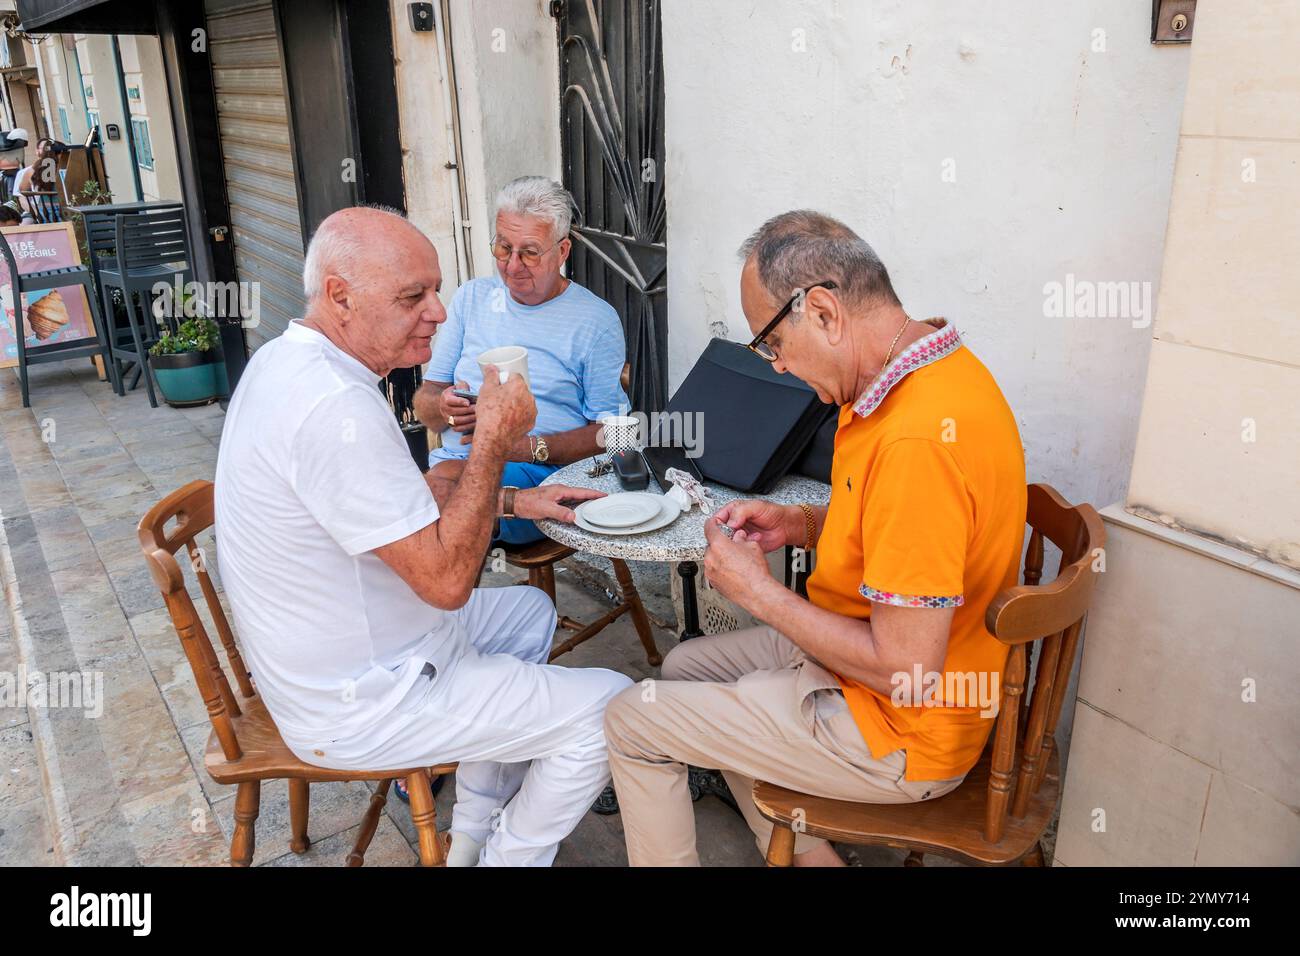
(47, 315)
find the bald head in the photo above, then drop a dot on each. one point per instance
(347, 241)
(372, 282)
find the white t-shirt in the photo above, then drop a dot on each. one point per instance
(313, 474)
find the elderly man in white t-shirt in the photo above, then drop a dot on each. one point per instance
(351, 576)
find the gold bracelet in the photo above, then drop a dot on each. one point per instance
(810, 526)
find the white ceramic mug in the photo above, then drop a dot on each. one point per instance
(507, 359)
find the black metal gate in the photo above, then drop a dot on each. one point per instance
(612, 132)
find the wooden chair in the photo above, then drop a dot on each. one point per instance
(999, 812)
(43, 205)
(245, 747)
(539, 561)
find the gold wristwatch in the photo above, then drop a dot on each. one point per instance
(540, 451)
(508, 501)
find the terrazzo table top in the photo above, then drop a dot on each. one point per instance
(683, 540)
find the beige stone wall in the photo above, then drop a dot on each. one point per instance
(142, 70)
(1219, 444)
(99, 67)
(1184, 745)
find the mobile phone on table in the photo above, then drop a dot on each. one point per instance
(465, 394)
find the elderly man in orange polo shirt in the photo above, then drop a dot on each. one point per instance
(882, 685)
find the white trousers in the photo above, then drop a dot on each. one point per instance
(529, 736)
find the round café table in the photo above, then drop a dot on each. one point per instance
(681, 543)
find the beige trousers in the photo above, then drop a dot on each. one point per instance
(753, 705)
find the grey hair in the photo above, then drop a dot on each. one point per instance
(797, 248)
(336, 246)
(541, 198)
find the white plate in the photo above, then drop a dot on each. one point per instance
(621, 510)
(668, 513)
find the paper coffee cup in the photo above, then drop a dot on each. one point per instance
(508, 359)
(620, 433)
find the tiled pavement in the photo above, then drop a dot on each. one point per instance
(77, 470)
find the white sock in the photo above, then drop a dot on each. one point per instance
(464, 850)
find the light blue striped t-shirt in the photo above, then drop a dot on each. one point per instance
(575, 349)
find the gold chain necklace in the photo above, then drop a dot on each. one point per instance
(906, 319)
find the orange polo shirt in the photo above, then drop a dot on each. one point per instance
(927, 509)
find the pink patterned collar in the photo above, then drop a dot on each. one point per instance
(943, 341)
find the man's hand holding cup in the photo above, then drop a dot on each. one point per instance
(506, 413)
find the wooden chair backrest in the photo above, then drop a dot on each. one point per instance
(44, 206)
(192, 509)
(152, 237)
(1023, 615)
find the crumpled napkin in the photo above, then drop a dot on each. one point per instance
(687, 491)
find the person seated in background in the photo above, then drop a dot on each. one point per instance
(926, 518)
(351, 575)
(9, 215)
(41, 176)
(574, 340)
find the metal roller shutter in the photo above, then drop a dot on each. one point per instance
(256, 151)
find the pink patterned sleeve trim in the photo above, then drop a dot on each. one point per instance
(910, 600)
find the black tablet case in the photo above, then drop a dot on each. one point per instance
(757, 422)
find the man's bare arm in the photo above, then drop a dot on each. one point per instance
(441, 485)
(563, 448)
(870, 652)
(441, 562)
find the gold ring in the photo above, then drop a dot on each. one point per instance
(451, 420)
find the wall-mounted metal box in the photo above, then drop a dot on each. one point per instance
(1172, 20)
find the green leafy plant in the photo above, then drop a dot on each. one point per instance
(193, 335)
(90, 194)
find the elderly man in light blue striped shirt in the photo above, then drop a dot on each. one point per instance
(574, 340)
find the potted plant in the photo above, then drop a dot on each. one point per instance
(188, 364)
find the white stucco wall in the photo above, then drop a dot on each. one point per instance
(426, 146)
(1062, 155)
(507, 76)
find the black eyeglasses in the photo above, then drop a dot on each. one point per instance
(761, 348)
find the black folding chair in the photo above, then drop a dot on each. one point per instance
(58, 351)
(149, 246)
